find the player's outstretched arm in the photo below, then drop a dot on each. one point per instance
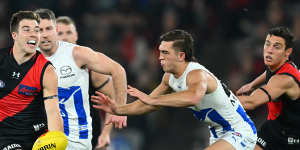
(103, 102)
(104, 137)
(197, 82)
(135, 108)
(98, 62)
(103, 84)
(248, 87)
(277, 85)
(54, 118)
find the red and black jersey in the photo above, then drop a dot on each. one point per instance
(284, 109)
(22, 110)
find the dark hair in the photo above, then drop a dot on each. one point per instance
(183, 41)
(285, 33)
(19, 16)
(46, 14)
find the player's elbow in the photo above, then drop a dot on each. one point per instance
(118, 69)
(249, 105)
(196, 98)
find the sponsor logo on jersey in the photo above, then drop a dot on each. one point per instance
(292, 140)
(27, 90)
(12, 146)
(2, 84)
(38, 127)
(66, 71)
(262, 142)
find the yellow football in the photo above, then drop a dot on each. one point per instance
(52, 140)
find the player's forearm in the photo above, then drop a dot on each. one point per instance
(120, 85)
(106, 129)
(55, 122)
(259, 80)
(135, 108)
(247, 102)
(179, 99)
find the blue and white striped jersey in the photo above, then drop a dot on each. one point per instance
(73, 85)
(220, 109)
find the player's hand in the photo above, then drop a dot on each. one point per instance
(103, 141)
(104, 103)
(244, 89)
(140, 95)
(118, 121)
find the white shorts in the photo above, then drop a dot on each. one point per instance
(82, 144)
(238, 140)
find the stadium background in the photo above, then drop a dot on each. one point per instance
(229, 37)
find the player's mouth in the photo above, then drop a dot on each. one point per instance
(31, 43)
(45, 42)
(268, 58)
(162, 63)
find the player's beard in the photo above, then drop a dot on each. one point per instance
(46, 49)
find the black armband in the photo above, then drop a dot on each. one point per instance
(50, 97)
(103, 84)
(269, 96)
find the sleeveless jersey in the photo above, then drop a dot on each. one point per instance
(22, 111)
(220, 109)
(283, 109)
(73, 85)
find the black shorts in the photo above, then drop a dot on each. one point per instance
(9, 145)
(19, 142)
(272, 137)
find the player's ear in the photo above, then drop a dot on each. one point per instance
(181, 56)
(288, 52)
(14, 35)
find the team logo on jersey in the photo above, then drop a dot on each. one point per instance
(2, 84)
(27, 90)
(16, 75)
(66, 71)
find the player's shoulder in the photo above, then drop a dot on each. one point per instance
(282, 80)
(64, 43)
(81, 49)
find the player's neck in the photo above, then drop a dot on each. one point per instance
(276, 67)
(180, 69)
(20, 55)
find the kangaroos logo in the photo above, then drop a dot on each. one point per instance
(48, 146)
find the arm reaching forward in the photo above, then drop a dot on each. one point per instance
(54, 118)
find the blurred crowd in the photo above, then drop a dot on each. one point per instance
(229, 37)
